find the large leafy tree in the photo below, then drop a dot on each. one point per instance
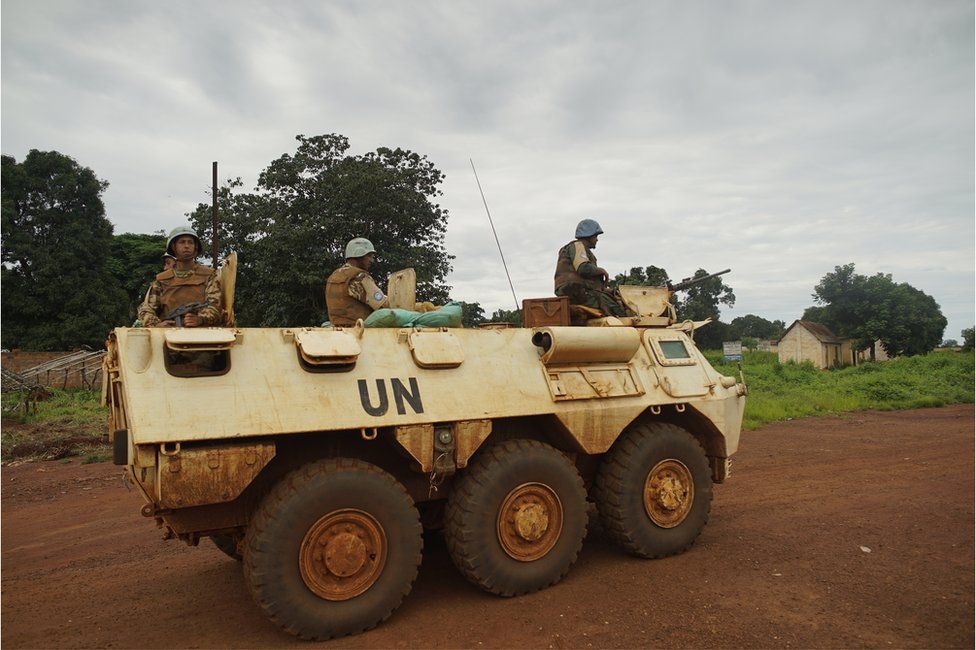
(291, 232)
(644, 276)
(711, 336)
(869, 308)
(702, 300)
(513, 316)
(755, 327)
(58, 292)
(133, 261)
(472, 314)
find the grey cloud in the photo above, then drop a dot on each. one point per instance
(777, 138)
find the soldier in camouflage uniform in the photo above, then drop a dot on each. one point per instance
(350, 292)
(579, 278)
(187, 282)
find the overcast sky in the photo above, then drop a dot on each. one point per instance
(777, 138)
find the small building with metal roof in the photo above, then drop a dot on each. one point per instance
(808, 341)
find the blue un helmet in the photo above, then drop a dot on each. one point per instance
(588, 228)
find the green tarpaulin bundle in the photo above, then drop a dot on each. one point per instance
(447, 316)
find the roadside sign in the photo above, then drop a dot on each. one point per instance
(732, 350)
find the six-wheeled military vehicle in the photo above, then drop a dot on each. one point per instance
(317, 456)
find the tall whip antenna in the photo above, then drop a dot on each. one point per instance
(497, 243)
(213, 245)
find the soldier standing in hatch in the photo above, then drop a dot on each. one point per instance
(186, 282)
(350, 292)
(579, 278)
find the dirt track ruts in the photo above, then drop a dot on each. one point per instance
(778, 565)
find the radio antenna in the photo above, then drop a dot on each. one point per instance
(497, 243)
(213, 244)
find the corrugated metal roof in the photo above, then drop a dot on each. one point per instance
(822, 332)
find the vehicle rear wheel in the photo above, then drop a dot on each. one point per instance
(332, 549)
(516, 519)
(654, 490)
(227, 544)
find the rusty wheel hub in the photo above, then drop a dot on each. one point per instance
(342, 554)
(530, 521)
(669, 493)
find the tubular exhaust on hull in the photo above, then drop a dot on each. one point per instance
(570, 345)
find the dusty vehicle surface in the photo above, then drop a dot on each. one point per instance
(318, 455)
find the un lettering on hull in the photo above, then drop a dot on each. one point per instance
(403, 395)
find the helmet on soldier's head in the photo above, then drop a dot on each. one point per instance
(588, 228)
(167, 256)
(175, 233)
(358, 247)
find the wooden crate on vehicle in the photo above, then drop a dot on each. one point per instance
(539, 312)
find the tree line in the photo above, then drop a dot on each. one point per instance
(68, 278)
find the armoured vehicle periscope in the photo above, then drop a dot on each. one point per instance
(317, 456)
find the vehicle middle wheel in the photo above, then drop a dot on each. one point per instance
(516, 519)
(332, 549)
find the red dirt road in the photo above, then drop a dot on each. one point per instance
(779, 564)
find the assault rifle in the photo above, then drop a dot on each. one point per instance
(690, 282)
(181, 311)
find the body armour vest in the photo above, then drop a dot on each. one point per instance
(565, 271)
(344, 310)
(177, 291)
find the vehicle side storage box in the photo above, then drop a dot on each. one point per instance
(540, 312)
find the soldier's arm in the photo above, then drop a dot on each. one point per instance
(356, 289)
(211, 315)
(148, 310)
(371, 294)
(582, 263)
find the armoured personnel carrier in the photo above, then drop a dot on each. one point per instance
(318, 455)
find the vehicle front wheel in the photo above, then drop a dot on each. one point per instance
(653, 490)
(516, 519)
(332, 549)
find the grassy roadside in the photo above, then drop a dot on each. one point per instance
(73, 423)
(785, 391)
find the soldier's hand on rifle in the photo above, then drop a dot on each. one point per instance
(191, 320)
(603, 274)
(166, 323)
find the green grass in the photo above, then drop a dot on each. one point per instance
(75, 406)
(66, 423)
(780, 391)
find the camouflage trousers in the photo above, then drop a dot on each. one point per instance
(602, 300)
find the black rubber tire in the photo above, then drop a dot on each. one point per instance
(470, 523)
(273, 541)
(619, 489)
(227, 544)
